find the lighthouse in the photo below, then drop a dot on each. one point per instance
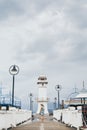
(42, 99)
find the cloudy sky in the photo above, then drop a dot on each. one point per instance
(46, 37)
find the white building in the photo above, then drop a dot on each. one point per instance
(42, 94)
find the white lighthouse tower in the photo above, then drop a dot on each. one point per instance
(42, 94)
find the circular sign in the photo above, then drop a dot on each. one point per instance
(58, 87)
(14, 70)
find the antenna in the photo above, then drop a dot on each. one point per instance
(76, 89)
(83, 84)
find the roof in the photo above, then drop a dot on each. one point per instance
(82, 94)
(42, 77)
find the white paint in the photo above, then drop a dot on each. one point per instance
(13, 117)
(69, 116)
(42, 126)
(42, 92)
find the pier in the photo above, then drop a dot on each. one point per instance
(47, 124)
(72, 117)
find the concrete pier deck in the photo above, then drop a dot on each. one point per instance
(47, 124)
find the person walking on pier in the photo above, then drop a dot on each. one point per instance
(42, 112)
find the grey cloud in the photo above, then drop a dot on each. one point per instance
(32, 53)
(79, 54)
(76, 13)
(74, 50)
(9, 8)
(21, 7)
(27, 7)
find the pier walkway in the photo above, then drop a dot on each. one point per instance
(47, 124)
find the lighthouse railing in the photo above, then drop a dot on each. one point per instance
(42, 99)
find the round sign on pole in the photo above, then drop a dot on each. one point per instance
(14, 70)
(58, 87)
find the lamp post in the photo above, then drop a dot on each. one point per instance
(13, 70)
(58, 88)
(31, 95)
(55, 103)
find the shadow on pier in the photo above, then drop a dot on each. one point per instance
(47, 124)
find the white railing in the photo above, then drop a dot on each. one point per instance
(42, 99)
(70, 117)
(75, 101)
(12, 118)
